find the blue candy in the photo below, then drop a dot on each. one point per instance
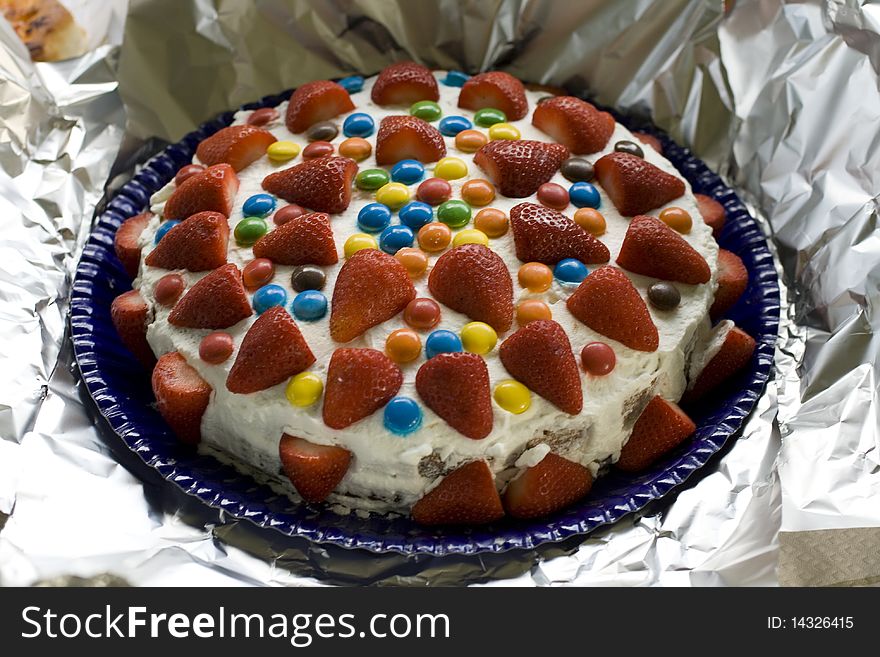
(258, 205)
(455, 79)
(358, 125)
(584, 195)
(407, 172)
(570, 270)
(442, 342)
(309, 305)
(164, 228)
(402, 416)
(395, 238)
(374, 217)
(269, 296)
(352, 84)
(452, 125)
(416, 214)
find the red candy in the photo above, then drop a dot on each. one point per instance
(257, 273)
(422, 313)
(598, 358)
(434, 191)
(288, 212)
(317, 149)
(168, 289)
(187, 172)
(553, 196)
(262, 116)
(215, 347)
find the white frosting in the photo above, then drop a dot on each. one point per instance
(385, 467)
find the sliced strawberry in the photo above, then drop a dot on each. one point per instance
(371, 287)
(549, 486)
(304, 240)
(181, 396)
(539, 355)
(236, 145)
(518, 167)
(472, 279)
(129, 315)
(213, 189)
(466, 496)
(652, 248)
(408, 138)
(198, 243)
(650, 140)
(634, 185)
(272, 351)
(322, 184)
(495, 89)
(314, 470)
(126, 242)
(661, 427)
(733, 279)
(359, 383)
(607, 302)
(456, 387)
(574, 122)
(735, 354)
(217, 301)
(542, 234)
(316, 101)
(404, 83)
(713, 213)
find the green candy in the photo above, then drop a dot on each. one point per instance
(249, 230)
(427, 110)
(489, 116)
(372, 179)
(454, 213)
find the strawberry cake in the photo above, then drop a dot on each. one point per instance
(431, 294)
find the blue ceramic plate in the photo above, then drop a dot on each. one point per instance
(121, 391)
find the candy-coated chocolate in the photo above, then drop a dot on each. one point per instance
(535, 277)
(591, 220)
(403, 345)
(422, 313)
(450, 168)
(269, 296)
(287, 213)
(216, 347)
(372, 179)
(317, 149)
(358, 124)
(492, 221)
(570, 270)
(478, 192)
(577, 169)
(357, 242)
(187, 172)
(415, 261)
(434, 191)
(553, 196)
(426, 110)
(352, 84)
(168, 289)
(304, 389)
(512, 396)
(442, 342)
(282, 151)
(307, 277)
(262, 116)
(678, 219)
(664, 295)
(489, 116)
(470, 236)
(626, 146)
(455, 79)
(249, 230)
(394, 195)
(434, 237)
(470, 141)
(454, 213)
(598, 358)
(356, 148)
(325, 131)
(395, 238)
(402, 416)
(258, 273)
(309, 305)
(584, 195)
(531, 310)
(163, 229)
(452, 125)
(258, 205)
(408, 172)
(416, 214)
(503, 131)
(478, 338)
(374, 217)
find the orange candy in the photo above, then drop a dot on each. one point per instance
(470, 141)
(535, 277)
(403, 345)
(356, 148)
(478, 192)
(414, 260)
(677, 219)
(491, 221)
(531, 310)
(591, 220)
(434, 236)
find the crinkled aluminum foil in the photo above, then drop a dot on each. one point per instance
(780, 98)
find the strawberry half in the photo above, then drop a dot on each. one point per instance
(371, 287)
(574, 122)
(322, 184)
(316, 101)
(650, 140)
(304, 240)
(213, 189)
(217, 301)
(314, 470)
(713, 213)
(237, 145)
(549, 486)
(408, 138)
(652, 248)
(733, 279)
(518, 167)
(495, 89)
(472, 279)
(129, 315)
(125, 243)
(634, 185)
(456, 387)
(359, 383)
(542, 234)
(181, 396)
(198, 243)
(735, 354)
(607, 302)
(539, 356)
(272, 351)
(661, 427)
(404, 83)
(466, 496)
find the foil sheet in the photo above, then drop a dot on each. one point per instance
(781, 98)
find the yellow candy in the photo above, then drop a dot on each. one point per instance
(304, 389)
(394, 195)
(450, 168)
(503, 131)
(281, 151)
(478, 338)
(357, 242)
(513, 396)
(470, 236)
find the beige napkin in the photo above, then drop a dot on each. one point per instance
(830, 557)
